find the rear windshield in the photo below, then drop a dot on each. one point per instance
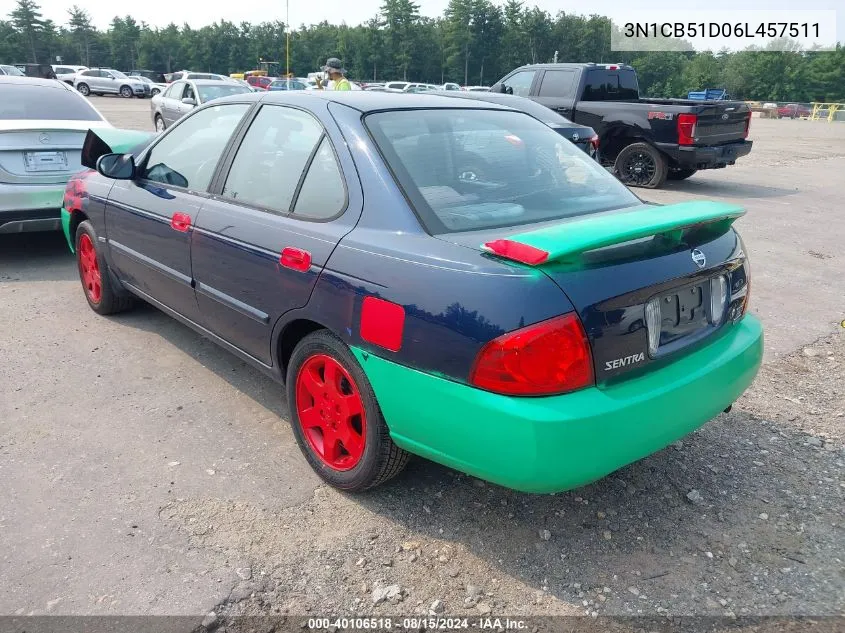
(466, 170)
(11, 70)
(18, 101)
(207, 93)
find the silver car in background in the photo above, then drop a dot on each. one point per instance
(100, 81)
(43, 123)
(183, 96)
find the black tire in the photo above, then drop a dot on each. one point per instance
(381, 459)
(159, 123)
(641, 165)
(126, 92)
(154, 92)
(680, 174)
(113, 298)
(83, 89)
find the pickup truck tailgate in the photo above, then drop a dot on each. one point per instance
(720, 123)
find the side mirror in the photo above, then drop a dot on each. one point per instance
(189, 101)
(117, 166)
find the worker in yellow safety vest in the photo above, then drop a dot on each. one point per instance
(335, 72)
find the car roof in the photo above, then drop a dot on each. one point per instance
(366, 101)
(206, 82)
(34, 81)
(537, 110)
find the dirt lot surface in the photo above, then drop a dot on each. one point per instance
(146, 471)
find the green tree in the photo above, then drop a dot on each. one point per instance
(82, 32)
(29, 23)
(399, 18)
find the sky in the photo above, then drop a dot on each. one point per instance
(353, 12)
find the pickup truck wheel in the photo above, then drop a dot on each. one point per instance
(680, 174)
(641, 165)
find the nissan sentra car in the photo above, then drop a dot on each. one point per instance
(535, 325)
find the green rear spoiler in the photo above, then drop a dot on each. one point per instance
(111, 141)
(568, 239)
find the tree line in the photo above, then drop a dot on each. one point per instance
(473, 42)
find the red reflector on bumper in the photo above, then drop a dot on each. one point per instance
(517, 252)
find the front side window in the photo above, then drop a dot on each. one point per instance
(272, 157)
(175, 91)
(187, 156)
(474, 169)
(519, 84)
(189, 92)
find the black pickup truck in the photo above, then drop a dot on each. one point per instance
(646, 141)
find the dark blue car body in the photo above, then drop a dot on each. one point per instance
(222, 274)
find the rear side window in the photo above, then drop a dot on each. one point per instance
(19, 101)
(611, 85)
(519, 84)
(323, 193)
(188, 155)
(557, 83)
(272, 157)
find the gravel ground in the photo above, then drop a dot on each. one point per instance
(145, 470)
(742, 518)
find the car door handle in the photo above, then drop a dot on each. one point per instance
(295, 259)
(180, 222)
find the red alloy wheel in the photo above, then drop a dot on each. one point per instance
(89, 269)
(331, 412)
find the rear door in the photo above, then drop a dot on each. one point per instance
(149, 220)
(288, 196)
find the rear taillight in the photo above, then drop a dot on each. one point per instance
(546, 358)
(747, 125)
(686, 128)
(594, 141)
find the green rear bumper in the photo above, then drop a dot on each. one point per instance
(561, 442)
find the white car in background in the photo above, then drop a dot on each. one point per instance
(396, 86)
(477, 88)
(67, 73)
(43, 123)
(450, 86)
(155, 88)
(6, 69)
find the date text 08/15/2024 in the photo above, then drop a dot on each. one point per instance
(417, 623)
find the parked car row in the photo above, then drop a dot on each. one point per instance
(414, 87)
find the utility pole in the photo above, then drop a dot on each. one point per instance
(287, 41)
(556, 52)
